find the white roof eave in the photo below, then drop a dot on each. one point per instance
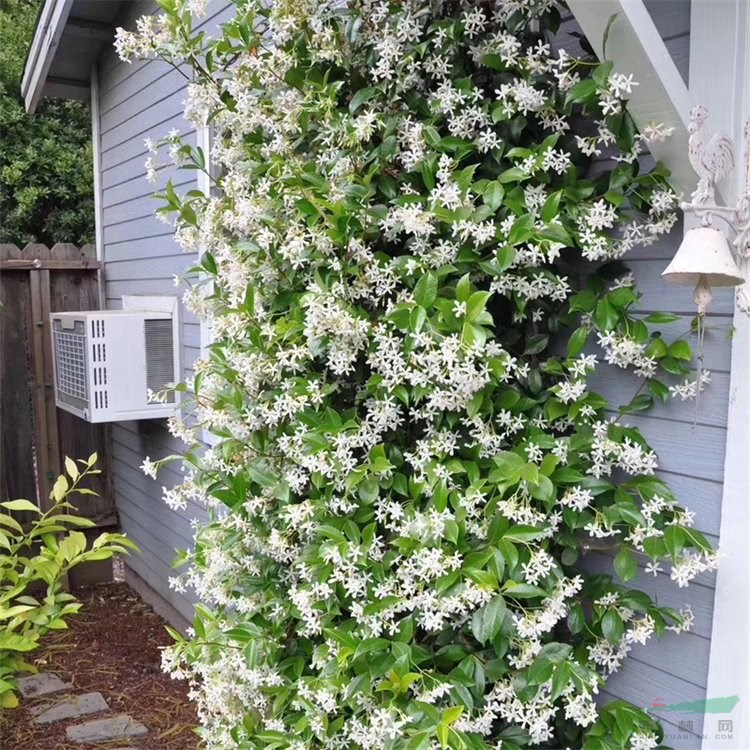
(47, 35)
(635, 46)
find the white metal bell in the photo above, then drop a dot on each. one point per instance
(704, 251)
(705, 259)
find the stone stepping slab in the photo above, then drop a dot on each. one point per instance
(103, 730)
(70, 708)
(41, 684)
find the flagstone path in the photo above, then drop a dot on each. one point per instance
(54, 702)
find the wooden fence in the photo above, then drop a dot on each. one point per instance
(35, 435)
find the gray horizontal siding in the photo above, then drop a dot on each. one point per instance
(137, 101)
(711, 410)
(672, 19)
(690, 444)
(120, 153)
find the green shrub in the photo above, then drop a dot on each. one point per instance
(46, 172)
(34, 563)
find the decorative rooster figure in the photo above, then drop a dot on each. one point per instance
(742, 211)
(711, 161)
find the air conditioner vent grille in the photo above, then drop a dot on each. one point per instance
(70, 350)
(159, 355)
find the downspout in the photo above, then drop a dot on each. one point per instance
(97, 159)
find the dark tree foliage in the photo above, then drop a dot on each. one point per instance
(46, 175)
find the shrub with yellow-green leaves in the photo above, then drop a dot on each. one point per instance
(35, 560)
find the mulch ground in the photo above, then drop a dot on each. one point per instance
(113, 647)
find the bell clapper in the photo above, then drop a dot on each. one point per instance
(702, 297)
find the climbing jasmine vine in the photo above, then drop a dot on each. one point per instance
(411, 267)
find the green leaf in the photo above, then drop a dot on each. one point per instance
(8, 699)
(493, 195)
(71, 468)
(640, 403)
(443, 732)
(476, 305)
(658, 389)
(674, 539)
(522, 533)
(681, 350)
(514, 174)
(577, 341)
(661, 317)
(522, 230)
(657, 348)
(260, 472)
(536, 344)
(612, 626)
(601, 74)
(554, 409)
(20, 505)
(576, 618)
(673, 366)
(463, 288)
(505, 257)
(583, 302)
(509, 466)
(362, 96)
(417, 319)
(605, 315)
(452, 714)
(59, 489)
(15, 642)
(560, 679)
(523, 590)
(487, 621)
(369, 489)
(71, 546)
(583, 92)
(625, 564)
(551, 206)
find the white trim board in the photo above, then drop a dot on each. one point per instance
(96, 148)
(720, 80)
(49, 31)
(635, 47)
(203, 183)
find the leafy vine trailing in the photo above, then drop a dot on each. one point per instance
(411, 462)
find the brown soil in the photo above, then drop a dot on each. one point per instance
(112, 647)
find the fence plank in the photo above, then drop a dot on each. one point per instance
(8, 251)
(36, 250)
(47, 450)
(35, 434)
(50, 409)
(17, 441)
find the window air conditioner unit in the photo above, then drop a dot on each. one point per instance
(106, 362)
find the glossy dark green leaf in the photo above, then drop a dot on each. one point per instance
(625, 564)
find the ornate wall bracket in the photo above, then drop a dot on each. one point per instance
(713, 160)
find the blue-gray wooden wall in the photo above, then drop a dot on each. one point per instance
(691, 456)
(140, 100)
(145, 100)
